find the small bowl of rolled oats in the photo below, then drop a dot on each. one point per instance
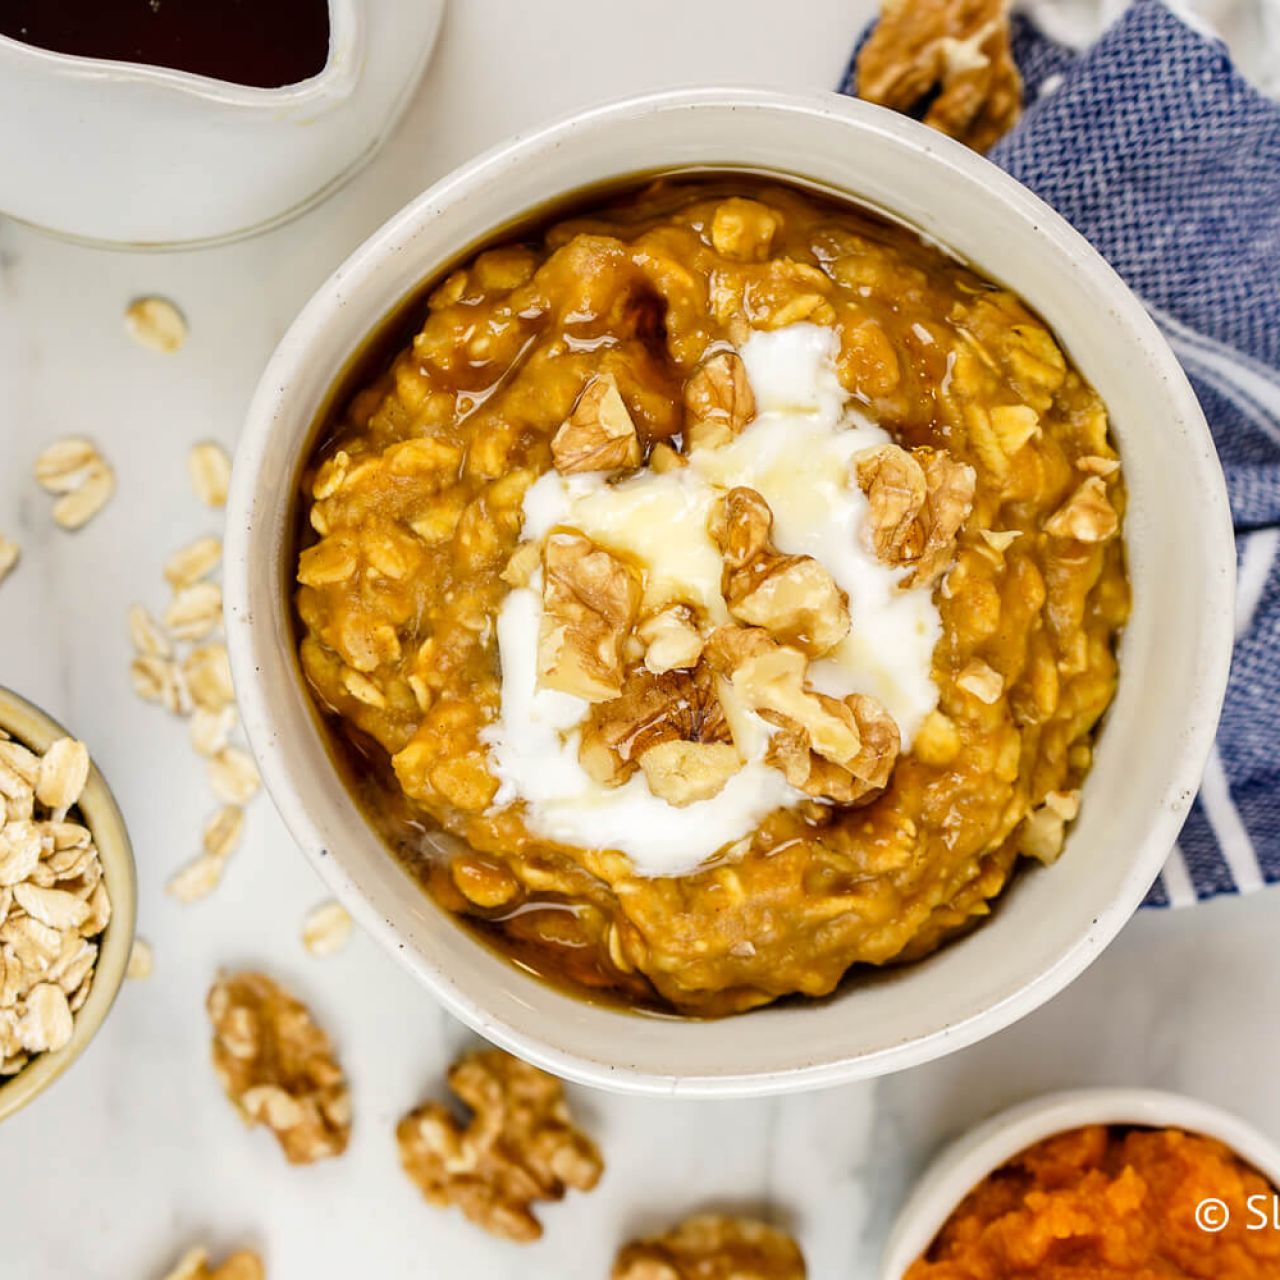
(67, 901)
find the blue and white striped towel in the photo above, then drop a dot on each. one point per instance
(1153, 146)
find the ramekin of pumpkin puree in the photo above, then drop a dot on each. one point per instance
(1102, 1202)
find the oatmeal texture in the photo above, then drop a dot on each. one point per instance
(519, 1147)
(712, 1247)
(611, 340)
(1108, 1204)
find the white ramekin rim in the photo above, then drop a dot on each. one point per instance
(343, 290)
(959, 1167)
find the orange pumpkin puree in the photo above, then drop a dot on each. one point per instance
(1099, 1203)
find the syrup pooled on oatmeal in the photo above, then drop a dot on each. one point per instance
(244, 42)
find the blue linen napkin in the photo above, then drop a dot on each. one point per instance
(1152, 145)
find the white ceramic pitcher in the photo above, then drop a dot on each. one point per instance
(151, 157)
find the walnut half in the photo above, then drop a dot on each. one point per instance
(670, 725)
(278, 1066)
(599, 434)
(519, 1147)
(718, 402)
(918, 502)
(794, 597)
(951, 57)
(589, 602)
(712, 1247)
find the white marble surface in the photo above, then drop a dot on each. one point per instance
(135, 1154)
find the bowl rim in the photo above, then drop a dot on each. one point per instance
(325, 309)
(961, 1164)
(35, 729)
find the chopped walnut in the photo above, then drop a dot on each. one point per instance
(770, 677)
(793, 597)
(599, 434)
(918, 502)
(718, 402)
(1044, 830)
(858, 779)
(950, 57)
(278, 1066)
(589, 602)
(682, 773)
(244, 1264)
(671, 638)
(1086, 516)
(676, 706)
(664, 459)
(519, 1147)
(712, 1247)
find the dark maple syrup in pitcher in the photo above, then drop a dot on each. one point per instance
(261, 43)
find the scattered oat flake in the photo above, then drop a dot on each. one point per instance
(197, 879)
(222, 832)
(156, 323)
(75, 509)
(207, 670)
(234, 776)
(326, 929)
(211, 730)
(148, 636)
(65, 464)
(191, 563)
(210, 470)
(194, 611)
(141, 961)
(9, 552)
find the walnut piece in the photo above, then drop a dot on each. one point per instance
(794, 597)
(671, 639)
(712, 1247)
(950, 57)
(589, 602)
(718, 402)
(277, 1066)
(1044, 830)
(1086, 516)
(599, 434)
(918, 501)
(244, 1264)
(676, 706)
(520, 1145)
(840, 750)
(682, 773)
(857, 780)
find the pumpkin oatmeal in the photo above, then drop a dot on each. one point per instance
(1108, 1204)
(720, 590)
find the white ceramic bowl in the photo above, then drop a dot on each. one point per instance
(151, 157)
(1175, 652)
(961, 1166)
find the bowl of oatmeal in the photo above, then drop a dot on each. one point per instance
(1115, 1182)
(683, 575)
